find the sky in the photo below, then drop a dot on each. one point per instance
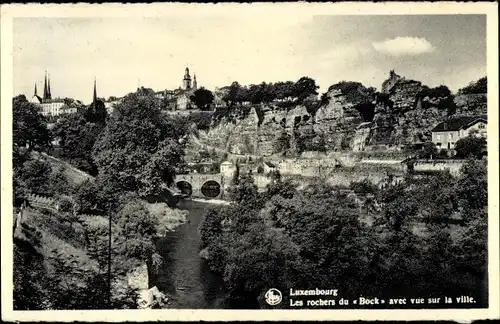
(122, 53)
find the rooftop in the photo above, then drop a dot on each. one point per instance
(457, 123)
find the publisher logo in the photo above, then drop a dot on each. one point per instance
(273, 296)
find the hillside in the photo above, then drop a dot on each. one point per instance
(72, 174)
(67, 249)
(352, 118)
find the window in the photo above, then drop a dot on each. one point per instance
(481, 126)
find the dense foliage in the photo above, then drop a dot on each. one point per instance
(471, 146)
(288, 91)
(365, 247)
(139, 147)
(478, 87)
(202, 98)
(67, 252)
(29, 127)
(432, 230)
(441, 91)
(77, 137)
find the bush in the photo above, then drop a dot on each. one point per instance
(66, 204)
(36, 176)
(86, 197)
(363, 187)
(471, 146)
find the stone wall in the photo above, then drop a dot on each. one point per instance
(453, 166)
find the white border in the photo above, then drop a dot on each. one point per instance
(274, 11)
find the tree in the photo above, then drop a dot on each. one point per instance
(478, 87)
(233, 94)
(472, 188)
(448, 104)
(36, 175)
(86, 197)
(76, 139)
(471, 146)
(29, 127)
(284, 90)
(138, 149)
(441, 91)
(243, 189)
(96, 113)
(304, 88)
(210, 226)
(254, 94)
(277, 186)
(265, 93)
(427, 151)
(137, 227)
(202, 98)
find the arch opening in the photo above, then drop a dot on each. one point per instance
(211, 189)
(185, 187)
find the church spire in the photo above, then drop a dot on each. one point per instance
(195, 83)
(36, 94)
(48, 88)
(94, 100)
(45, 93)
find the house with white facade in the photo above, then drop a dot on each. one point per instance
(447, 133)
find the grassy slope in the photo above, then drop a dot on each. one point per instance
(74, 175)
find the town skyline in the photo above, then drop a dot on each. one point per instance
(222, 49)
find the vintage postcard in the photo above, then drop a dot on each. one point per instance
(281, 161)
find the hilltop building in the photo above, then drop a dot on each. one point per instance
(448, 132)
(50, 107)
(182, 95)
(179, 99)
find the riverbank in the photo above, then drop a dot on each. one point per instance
(185, 278)
(211, 201)
(168, 218)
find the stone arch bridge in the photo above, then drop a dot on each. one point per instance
(201, 185)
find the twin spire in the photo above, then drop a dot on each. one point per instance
(46, 87)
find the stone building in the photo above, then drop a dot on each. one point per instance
(179, 99)
(50, 107)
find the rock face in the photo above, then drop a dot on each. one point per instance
(351, 117)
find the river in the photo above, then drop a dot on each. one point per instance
(185, 277)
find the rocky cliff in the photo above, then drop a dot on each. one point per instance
(350, 117)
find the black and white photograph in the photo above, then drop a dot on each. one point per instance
(250, 157)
